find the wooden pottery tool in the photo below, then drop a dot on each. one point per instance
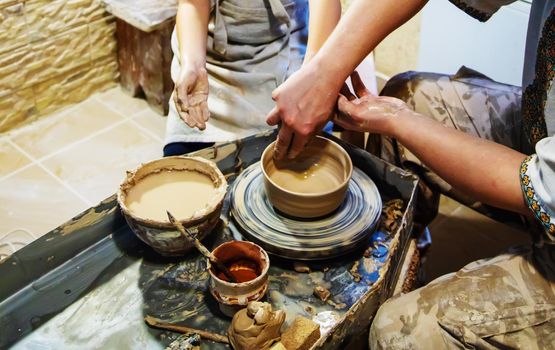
(156, 323)
(201, 248)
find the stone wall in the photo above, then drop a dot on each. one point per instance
(52, 53)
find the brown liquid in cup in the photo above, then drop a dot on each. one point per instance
(243, 270)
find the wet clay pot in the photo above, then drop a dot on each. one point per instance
(249, 264)
(161, 235)
(312, 185)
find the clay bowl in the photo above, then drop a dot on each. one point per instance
(250, 264)
(312, 185)
(154, 228)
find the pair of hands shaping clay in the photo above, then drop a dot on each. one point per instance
(255, 327)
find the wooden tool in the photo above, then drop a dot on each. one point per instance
(156, 323)
(201, 248)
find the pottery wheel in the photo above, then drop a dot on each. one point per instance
(305, 239)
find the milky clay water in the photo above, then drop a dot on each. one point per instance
(308, 176)
(182, 192)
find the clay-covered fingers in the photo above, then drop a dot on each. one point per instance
(347, 114)
(205, 111)
(196, 114)
(358, 85)
(345, 91)
(282, 143)
(198, 109)
(183, 110)
(298, 144)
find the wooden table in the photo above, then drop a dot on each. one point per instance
(90, 282)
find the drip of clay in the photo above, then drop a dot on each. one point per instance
(255, 327)
(182, 192)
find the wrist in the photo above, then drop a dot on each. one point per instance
(325, 73)
(402, 123)
(194, 62)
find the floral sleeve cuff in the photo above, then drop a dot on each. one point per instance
(482, 10)
(542, 212)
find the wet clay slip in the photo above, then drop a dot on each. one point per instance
(249, 264)
(312, 185)
(191, 188)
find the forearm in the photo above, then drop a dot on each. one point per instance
(483, 169)
(359, 31)
(324, 15)
(192, 30)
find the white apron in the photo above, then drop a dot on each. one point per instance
(251, 50)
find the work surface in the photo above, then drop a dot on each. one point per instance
(91, 282)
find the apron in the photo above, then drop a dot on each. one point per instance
(251, 50)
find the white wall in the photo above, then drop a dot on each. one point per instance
(449, 38)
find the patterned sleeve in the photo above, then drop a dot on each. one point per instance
(482, 10)
(537, 178)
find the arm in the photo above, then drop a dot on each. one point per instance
(324, 15)
(305, 101)
(191, 86)
(483, 169)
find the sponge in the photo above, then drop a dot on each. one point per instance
(301, 335)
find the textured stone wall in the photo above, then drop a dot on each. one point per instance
(52, 53)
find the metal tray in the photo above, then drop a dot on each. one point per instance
(90, 282)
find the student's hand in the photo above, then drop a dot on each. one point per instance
(304, 104)
(191, 96)
(366, 112)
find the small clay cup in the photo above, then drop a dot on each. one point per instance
(330, 157)
(162, 236)
(231, 296)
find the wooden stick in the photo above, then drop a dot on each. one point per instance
(156, 323)
(201, 248)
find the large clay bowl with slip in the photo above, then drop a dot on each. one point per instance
(312, 185)
(191, 188)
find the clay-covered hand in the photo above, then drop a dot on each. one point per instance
(304, 104)
(191, 96)
(366, 112)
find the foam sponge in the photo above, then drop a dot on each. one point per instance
(301, 335)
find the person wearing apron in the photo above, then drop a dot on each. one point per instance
(233, 59)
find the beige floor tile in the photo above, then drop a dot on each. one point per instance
(153, 122)
(33, 201)
(10, 158)
(464, 236)
(95, 168)
(121, 101)
(52, 134)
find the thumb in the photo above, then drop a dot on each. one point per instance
(273, 117)
(345, 106)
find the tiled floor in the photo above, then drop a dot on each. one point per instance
(461, 235)
(53, 169)
(57, 167)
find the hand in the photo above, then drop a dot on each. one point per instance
(304, 104)
(191, 96)
(366, 112)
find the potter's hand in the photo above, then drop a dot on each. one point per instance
(304, 104)
(366, 112)
(191, 95)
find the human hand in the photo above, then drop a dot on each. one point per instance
(366, 112)
(191, 96)
(304, 104)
